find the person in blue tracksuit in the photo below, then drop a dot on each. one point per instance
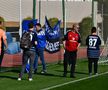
(93, 43)
(41, 43)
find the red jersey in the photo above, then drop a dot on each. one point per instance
(72, 41)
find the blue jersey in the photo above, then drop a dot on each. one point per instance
(41, 39)
(93, 42)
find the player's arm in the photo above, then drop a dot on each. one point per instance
(64, 39)
(5, 40)
(79, 42)
(35, 38)
(87, 41)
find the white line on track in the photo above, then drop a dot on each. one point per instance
(59, 85)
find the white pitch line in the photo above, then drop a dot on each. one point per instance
(59, 85)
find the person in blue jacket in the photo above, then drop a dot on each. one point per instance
(93, 43)
(41, 43)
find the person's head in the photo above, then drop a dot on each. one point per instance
(93, 30)
(75, 27)
(38, 26)
(31, 25)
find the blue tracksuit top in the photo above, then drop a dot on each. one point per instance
(41, 39)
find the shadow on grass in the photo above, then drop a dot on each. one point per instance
(75, 72)
(15, 71)
(10, 77)
(50, 74)
(5, 74)
(82, 73)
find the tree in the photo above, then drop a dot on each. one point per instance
(85, 28)
(28, 18)
(53, 21)
(2, 20)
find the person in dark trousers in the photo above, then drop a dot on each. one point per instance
(3, 42)
(93, 42)
(41, 43)
(29, 54)
(71, 44)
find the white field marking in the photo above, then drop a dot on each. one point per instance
(59, 85)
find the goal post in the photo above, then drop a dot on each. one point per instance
(104, 54)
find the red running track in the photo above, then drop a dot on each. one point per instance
(16, 59)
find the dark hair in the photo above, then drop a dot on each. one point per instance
(30, 25)
(38, 24)
(93, 30)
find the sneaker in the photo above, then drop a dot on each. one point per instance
(43, 71)
(96, 74)
(19, 79)
(30, 79)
